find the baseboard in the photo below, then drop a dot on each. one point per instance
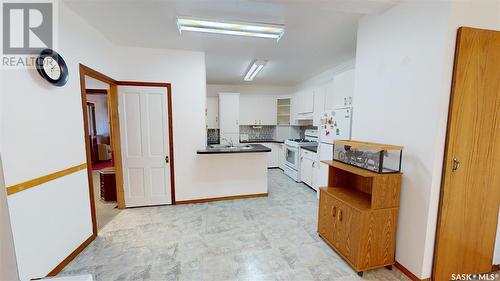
(71, 256)
(205, 200)
(408, 273)
(495, 267)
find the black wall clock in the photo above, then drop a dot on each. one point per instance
(52, 67)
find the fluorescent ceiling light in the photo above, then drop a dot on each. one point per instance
(254, 69)
(231, 28)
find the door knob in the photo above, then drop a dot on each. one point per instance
(456, 165)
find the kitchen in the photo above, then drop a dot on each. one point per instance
(298, 124)
(213, 117)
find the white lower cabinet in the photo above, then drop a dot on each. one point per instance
(273, 156)
(307, 163)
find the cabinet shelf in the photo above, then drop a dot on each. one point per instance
(358, 214)
(352, 197)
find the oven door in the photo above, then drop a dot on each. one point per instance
(292, 157)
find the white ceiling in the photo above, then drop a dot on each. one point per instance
(319, 34)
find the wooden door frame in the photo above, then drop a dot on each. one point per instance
(115, 134)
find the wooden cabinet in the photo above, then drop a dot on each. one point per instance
(358, 215)
(212, 112)
(108, 184)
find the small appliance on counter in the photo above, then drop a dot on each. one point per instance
(292, 149)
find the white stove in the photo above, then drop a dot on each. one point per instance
(292, 147)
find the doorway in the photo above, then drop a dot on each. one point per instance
(149, 181)
(101, 153)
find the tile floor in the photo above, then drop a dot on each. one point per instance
(271, 238)
(105, 211)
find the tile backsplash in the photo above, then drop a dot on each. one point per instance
(213, 136)
(257, 132)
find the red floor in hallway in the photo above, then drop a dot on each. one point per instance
(102, 165)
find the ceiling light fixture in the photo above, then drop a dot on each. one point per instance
(254, 69)
(272, 31)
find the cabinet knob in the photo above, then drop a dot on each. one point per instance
(340, 215)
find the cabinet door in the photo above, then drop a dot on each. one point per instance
(326, 216)
(349, 231)
(306, 98)
(229, 107)
(343, 88)
(248, 108)
(306, 170)
(294, 109)
(271, 156)
(213, 112)
(267, 111)
(319, 103)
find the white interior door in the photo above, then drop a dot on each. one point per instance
(145, 145)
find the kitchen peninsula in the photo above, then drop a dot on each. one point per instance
(232, 172)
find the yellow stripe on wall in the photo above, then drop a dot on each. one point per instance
(38, 181)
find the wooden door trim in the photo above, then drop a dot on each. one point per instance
(408, 273)
(170, 125)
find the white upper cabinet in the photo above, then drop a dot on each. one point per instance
(258, 110)
(306, 101)
(341, 91)
(212, 112)
(319, 103)
(229, 107)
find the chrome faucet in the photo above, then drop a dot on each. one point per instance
(230, 141)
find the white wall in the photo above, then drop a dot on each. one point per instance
(404, 66)
(101, 113)
(215, 89)
(8, 264)
(44, 134)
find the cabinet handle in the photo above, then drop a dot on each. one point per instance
(333, 212)
(340, 215)
(301, 159)
(313, 164)
(216, 119)
(456, 165)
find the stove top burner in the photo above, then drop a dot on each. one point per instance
(300, 140)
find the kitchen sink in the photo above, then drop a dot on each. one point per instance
(229, 147)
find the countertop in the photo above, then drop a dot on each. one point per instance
(261, 141)
(255, 148)
(310, 148)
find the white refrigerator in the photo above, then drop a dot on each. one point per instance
(334, 125)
